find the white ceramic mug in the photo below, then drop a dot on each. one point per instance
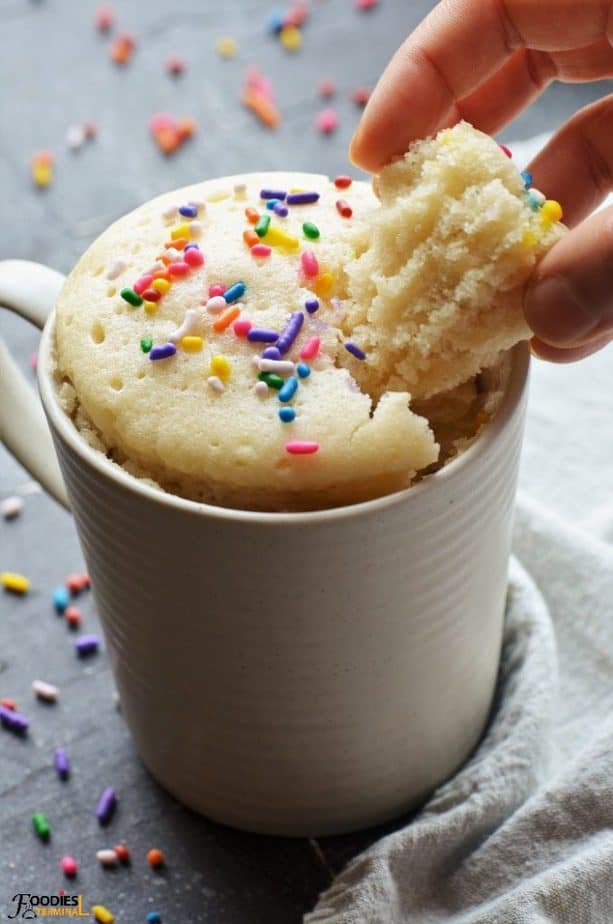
(287, 673)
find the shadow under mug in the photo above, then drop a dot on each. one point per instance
(293, 674)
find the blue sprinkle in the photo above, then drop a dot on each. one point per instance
(61, 599)
(235, 292)
(355, 350)
(259, 335)
(163, 351)
(287, 414)
(154, 917)
(278, 194)
(311, 305)
(280, 210)
(303, 198)
(188, 211)
(270, 204)
(272, 353)
(527, 178)
(534, 203)
(289, 389)
(303, 370)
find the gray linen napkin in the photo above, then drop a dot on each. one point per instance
(523, 834)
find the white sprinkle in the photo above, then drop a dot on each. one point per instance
(158, 265)
(537, 195)
(170, 212)
(107, 857)
(216, 304)
(11, 507)
(240, 190)
(255, 362)
(195, 228)
(215, 384)
(189, 325)
(281, 366)
(75, 136)
(174, 255)
(261, 389)
(116, 269)
(45, 691)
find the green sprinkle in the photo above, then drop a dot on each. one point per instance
(310, 230)
(261, 227)
(146, 344)
(132, 297)
(41, 825)
(272, 380)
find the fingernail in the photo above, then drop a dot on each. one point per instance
(554, 312)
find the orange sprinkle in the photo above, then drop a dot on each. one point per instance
(179, 243)
(186, 128)
(155, 857)
(226, 317)
(161, 274)
(250, 237)
(252, 216)
(262, 107)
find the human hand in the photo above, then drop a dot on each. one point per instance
(485, 61)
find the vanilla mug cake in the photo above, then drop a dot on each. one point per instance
(288, 413)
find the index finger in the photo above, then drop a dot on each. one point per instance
(459, 45)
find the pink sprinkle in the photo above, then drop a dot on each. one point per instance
(216, 289)
(242, 327)
(193, 257)
(344, 209)
(360, 96)
(327, 88)
(310, 265)
(175, 66)
(297, 16)
(161, 121)
(327, 121)
(310, 348)
(366, 4)
(69, 866)
(261, 250)
(179, 268)
(104, 19)
(143, 283)
(255, 80)
(506, 150)
(33, 361)
(301, 447)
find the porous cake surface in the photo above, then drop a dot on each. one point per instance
(254, 341)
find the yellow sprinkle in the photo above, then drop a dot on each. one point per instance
(550, 212)
(322, 284)
(277, 237)
(220, 367)
(227, 47)
(16, 583)
(150, 307)
(297, 189)
(192, 344)
(218, 195)
(182, 230)
(291, 38)
(103, 915)
(42, 174)
(529, 239)
(160, 285)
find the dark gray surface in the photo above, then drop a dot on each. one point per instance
(54, 71)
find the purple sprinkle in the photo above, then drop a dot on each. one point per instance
(163, 351)
(280, 210)
(355, 350)
(188, 211)
(311, 305)
(291, 331)
(86, 645)
(273, 194)
(106, 805)
(303, 198)
(191, 246)
(259, 335)
(271, 353)
(61, 763)
(14, 721)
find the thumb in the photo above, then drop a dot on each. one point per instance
(568, 302)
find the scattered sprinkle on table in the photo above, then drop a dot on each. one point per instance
(69, 866)
(14, 583)
(107, 857)
(226, 46)
(327, 121)
(103, 915)
(61, 763)
(13, 721)
(86, 645)
(104, 19)
(11, 507)
(154, 917)
(107, 804)
(175, 66)
(45, 691)
(155, 858)
(41, 826)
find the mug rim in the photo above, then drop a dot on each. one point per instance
(518, 377)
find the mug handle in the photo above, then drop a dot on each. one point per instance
(30, 290)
